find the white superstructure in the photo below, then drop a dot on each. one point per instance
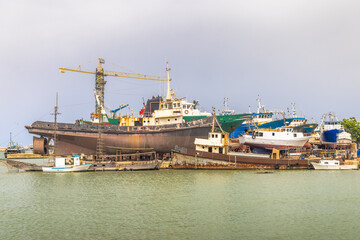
(216, 143)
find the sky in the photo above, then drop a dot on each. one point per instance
(305, 52)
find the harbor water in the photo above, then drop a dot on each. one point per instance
(180, 204)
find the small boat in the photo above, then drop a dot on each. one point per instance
(68, 164)
(333, 165)
(13, 148)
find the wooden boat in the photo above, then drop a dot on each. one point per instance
(72, 164)
(141, 165)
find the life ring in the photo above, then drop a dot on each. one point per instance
(186, 111)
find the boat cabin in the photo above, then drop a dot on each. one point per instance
(172, 111)
(329, 125)
(329, 162)
(67, 162)
(297, 122)
(330, 121)
(216, 143)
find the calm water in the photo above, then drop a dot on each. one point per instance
(176, 204)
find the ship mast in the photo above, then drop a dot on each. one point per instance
(226, 104)
(168, 92)
(11, 143)
(55, 125)
(259, 104)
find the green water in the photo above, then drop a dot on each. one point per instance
(177, 204)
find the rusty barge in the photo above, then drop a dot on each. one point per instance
(83, 138)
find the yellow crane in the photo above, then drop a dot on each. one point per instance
(100, 81)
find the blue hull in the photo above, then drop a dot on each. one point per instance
(330, 136)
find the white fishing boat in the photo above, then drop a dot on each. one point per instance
(67, 164)
(280, 138)
(333, 165)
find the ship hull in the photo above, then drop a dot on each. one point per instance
(330, 136)
(228, 122)
(271, 125)
(73, 138)
(285, 142)
(193, 159)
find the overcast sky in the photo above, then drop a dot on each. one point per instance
(301, 51)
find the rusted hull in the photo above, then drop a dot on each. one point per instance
(73, 138)
(192, 159)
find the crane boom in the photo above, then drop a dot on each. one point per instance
(119, 74)
(135, 75)
(100, 81)
(63, 70)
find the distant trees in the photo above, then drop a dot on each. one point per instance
(353, 127)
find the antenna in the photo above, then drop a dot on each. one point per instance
(293, 110)
(226, 103)
(259, 103)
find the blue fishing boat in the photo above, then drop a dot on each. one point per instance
(331, 130)
(264, 119)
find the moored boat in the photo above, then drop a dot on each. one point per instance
(71, 164)
(333, 165)
(13, 148)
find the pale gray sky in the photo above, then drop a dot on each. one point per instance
(302, 51)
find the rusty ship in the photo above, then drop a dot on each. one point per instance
(162, 128)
